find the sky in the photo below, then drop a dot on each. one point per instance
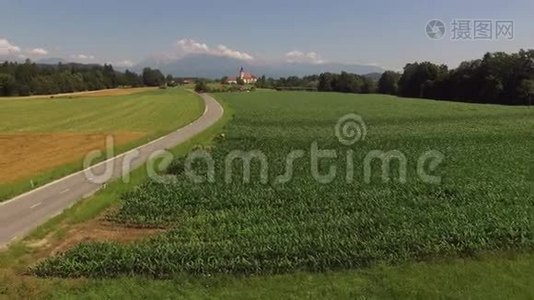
(372, 32)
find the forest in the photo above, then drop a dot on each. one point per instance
(497, 78)
(29, 78)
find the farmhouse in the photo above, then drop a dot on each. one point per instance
(248, 78)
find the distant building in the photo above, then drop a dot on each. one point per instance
(248, 78)
(186, 80)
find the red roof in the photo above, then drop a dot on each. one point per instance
(249, 76)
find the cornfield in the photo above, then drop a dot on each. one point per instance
(482, 204)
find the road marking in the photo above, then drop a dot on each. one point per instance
(35, 205)
(64, 191)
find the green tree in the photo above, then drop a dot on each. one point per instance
(369, 85)
(153, 77)
(414, 81)
(325, 82)
(526, 90)
(388, 83)
(7, 85)
(29, 78)
(132, 79)
(169, 80)
(261, 82)
(201, 87)
(348, 83)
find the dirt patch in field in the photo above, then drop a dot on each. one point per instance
(103, 232)
(25, 155)
(96, 230)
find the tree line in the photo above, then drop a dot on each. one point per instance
(308, 83)
(346, 83)
(497, 78)
(29, 78)
(325, 82)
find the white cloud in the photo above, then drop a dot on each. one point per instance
(296, 56)
(187, 46)
(6, 48)
(225, 51)
(38, 51)
(192, 46)
(11, 50)
(82, 56)
(122, 64)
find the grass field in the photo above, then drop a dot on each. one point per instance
(44, 139)
(96, 93)
(475, 226)
(482, 278)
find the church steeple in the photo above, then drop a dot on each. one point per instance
(241, 73)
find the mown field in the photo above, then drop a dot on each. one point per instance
(482, 204)
(44, 139)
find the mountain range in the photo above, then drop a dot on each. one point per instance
(212, 66)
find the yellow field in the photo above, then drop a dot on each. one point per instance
(26, 154)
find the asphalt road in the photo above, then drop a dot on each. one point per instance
(22, 214)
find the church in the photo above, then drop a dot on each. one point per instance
(248, 78)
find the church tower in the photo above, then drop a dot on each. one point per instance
(242, 73)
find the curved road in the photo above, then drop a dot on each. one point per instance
(24, 213)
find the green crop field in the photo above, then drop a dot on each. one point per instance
(482, 203)
(44, 139)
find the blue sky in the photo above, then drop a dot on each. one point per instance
(385, 33)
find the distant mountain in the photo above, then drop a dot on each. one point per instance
(51, 61)
(198, 65)
(48, 61)
(10, 58)
(374, 76)
(211, 66)
(302, 69)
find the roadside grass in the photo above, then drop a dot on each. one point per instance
(224, 87)
(152, 113)
(491, 276)
(486, 277)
